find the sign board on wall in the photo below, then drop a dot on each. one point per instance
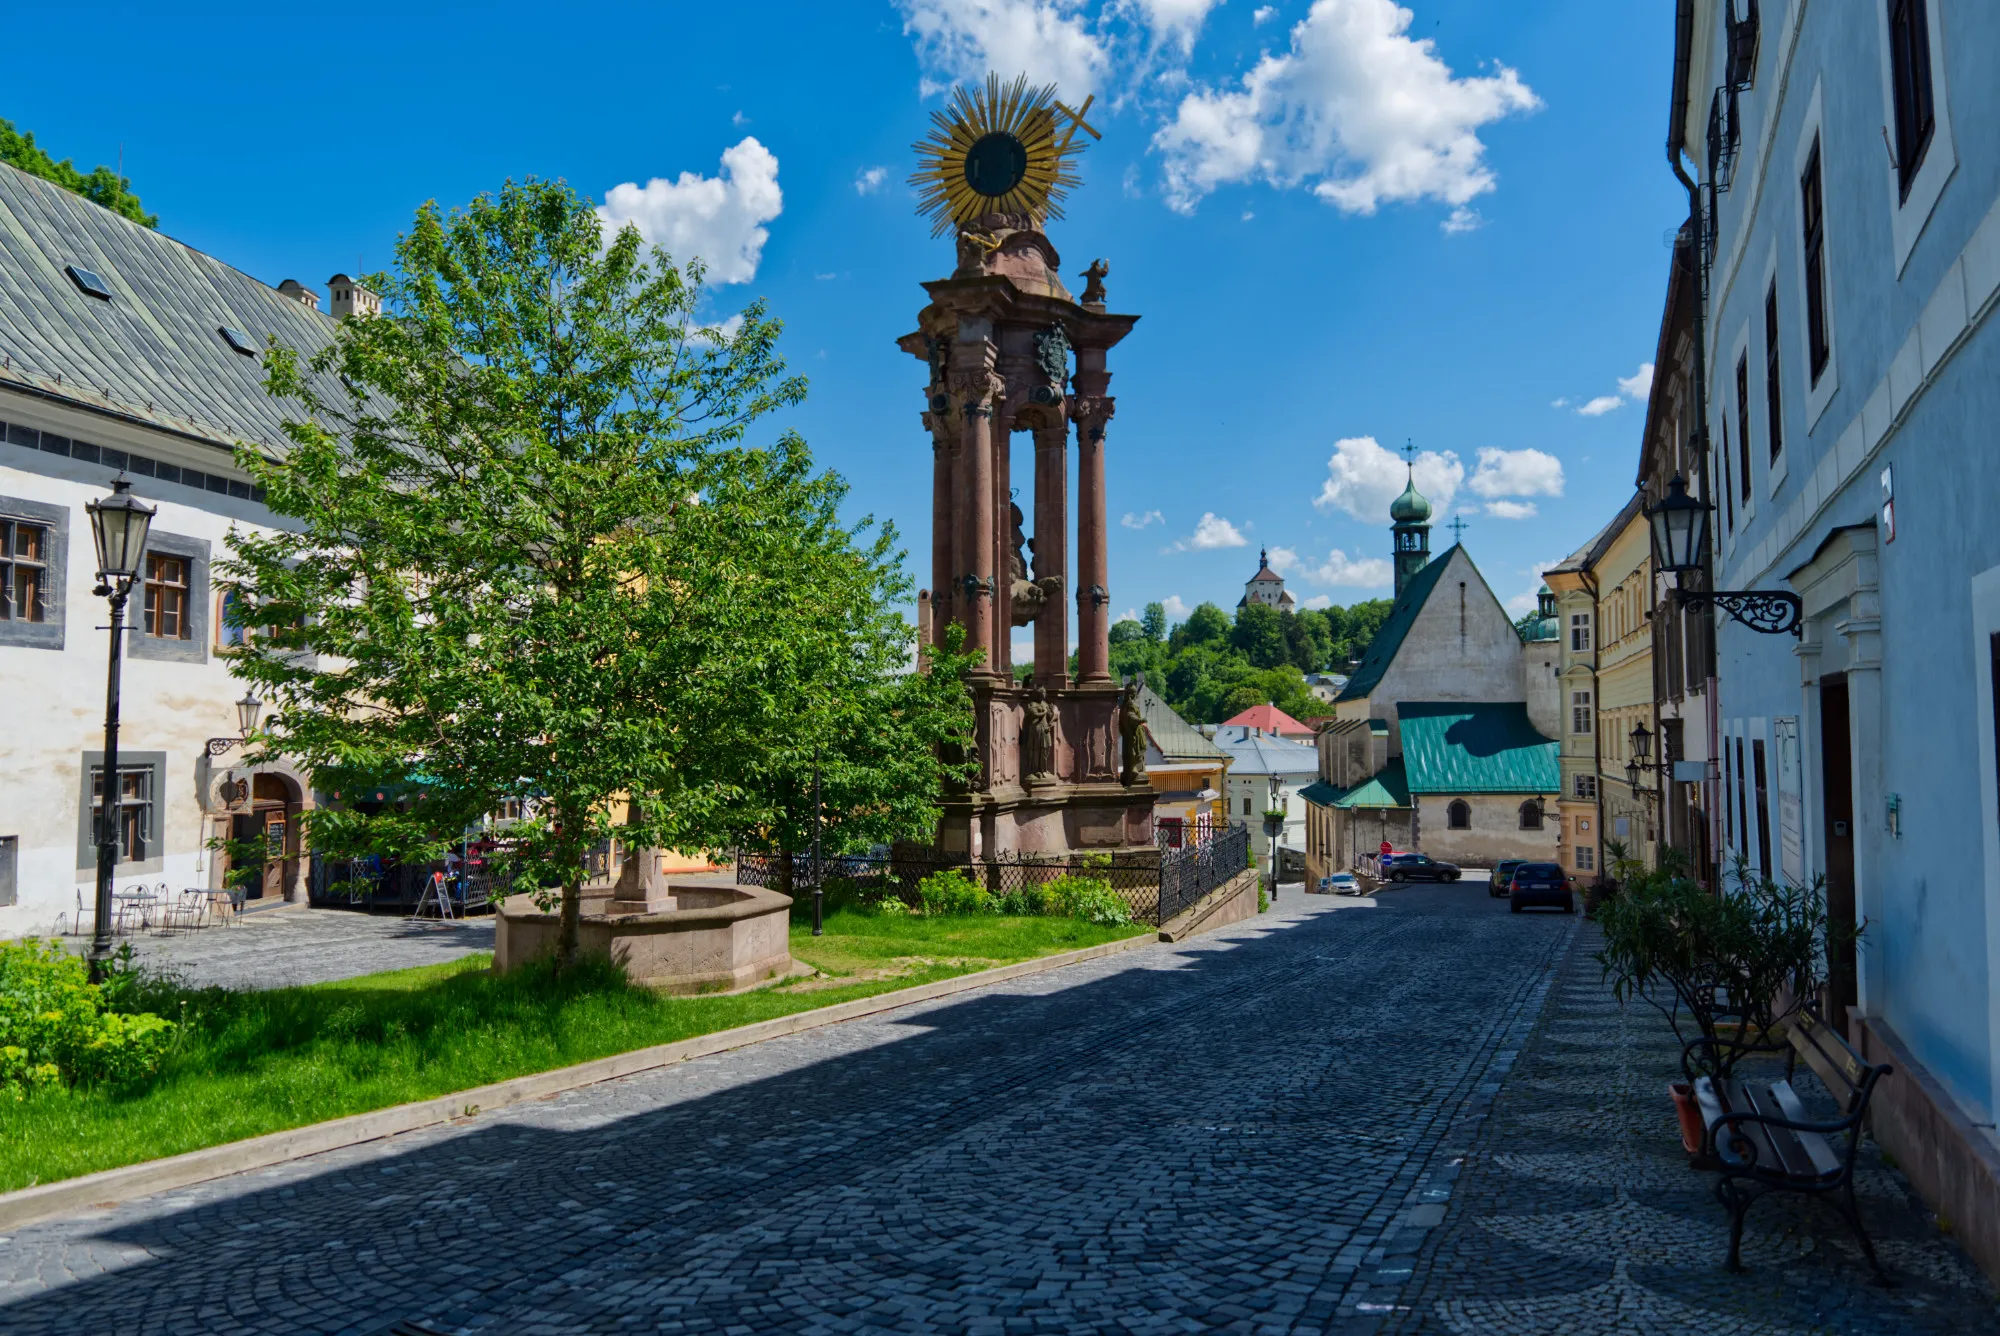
(1791, 802)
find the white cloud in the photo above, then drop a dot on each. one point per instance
(1517, 473)
(1356, 107)
(1559, 403)
(1511, 510)
(1282, 559)
(1363, 478)
(1462, 219)
(1135, 521)
(1601, 405)
(1175, 22)
(1639, 384)
(1128, 184)
(1129, 615)
(869, 180)
(1211, 533)
(1048, 40)
(1317, 601)
(719, 219)
(1177, 608)
(739, 120)
(1526, 599)
(1247, 215)
(1341, 569)
(1263, 15)
(722, 330)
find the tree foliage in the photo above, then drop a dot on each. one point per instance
(100, 186)
(535, 559)
(1210, 667)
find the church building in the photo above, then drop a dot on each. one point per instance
(1266, 587)
(1443, 740)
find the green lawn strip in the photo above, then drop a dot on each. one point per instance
(255, 1062)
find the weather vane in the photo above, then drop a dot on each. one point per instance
(998, 149)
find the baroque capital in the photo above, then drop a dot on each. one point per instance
(1090, 412)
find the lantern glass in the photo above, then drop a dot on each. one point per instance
(1680, 528)
(119, 523)
(1642, 743)
(247, 711)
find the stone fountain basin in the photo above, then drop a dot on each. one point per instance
(708, 934)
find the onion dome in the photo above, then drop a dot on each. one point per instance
(1410, 507)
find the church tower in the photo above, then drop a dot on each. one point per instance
(1412, 527)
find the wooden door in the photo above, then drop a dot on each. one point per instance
(275, 829)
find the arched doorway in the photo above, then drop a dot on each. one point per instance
(264, 837)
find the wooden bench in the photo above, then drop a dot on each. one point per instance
(1762, 1140)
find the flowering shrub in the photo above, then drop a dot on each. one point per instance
(952, 892)
(56, 1026)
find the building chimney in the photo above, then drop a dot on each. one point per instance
(350, 298)
(299, 293)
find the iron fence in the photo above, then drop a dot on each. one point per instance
(1188, 873)
(1157, 884)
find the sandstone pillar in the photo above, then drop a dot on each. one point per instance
(1052, 552)
(1093, 594)
(976, 392)
(943, 463)
(1001, 505)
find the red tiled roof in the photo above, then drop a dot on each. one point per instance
(1269, 718)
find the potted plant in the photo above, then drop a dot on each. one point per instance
(1732, 967)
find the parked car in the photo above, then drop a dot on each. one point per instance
(1540, 884)
(1421, 867)
(1339, 883)
(1503, 872)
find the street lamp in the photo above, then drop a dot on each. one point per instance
(1680, 537)
(1273, 826)
(119, 523)
(247, 711)
(1642, 753)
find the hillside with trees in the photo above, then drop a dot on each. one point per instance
(1210, 667)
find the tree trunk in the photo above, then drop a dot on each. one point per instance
(567, 921)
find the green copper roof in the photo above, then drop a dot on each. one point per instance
(1382, 649)
(1453, 747)
(1386, 788)
(1410, 507)
(1320, 793)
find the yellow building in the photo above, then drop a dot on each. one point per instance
(1604, 607)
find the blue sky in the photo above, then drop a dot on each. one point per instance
(1340, 221)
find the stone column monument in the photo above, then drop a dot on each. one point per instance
(997, 338)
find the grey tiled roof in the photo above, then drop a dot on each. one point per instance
(1177, 739)
(152, 354)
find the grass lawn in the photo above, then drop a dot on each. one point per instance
(250, 1063)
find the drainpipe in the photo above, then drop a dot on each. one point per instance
(1676, 149)
(1596, 733)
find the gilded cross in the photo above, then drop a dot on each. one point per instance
(1076, 122)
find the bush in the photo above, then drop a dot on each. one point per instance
(1090, 899)
(57, 1027)
(952, 892)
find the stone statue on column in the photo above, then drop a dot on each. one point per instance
(1132, 734)
(1038, 739)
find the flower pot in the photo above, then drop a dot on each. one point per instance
(1694, 1133)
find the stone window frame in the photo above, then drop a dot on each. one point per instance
(1536, 808)
(86, 844)
(195, 646)
(47, 633)
(1458, 815)
(1910, 210)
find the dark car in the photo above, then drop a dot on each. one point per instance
(1503, 872)
(1540, 884)
(1421, 867)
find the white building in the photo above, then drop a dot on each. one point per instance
(1256, 758)
(124, 352)
(1266, 587)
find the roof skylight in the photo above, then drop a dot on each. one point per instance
(88, 281)
(238, 340)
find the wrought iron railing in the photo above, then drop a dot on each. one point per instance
(1189, 873)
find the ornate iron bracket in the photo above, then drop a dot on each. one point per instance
(217, 746)
(1770, 611)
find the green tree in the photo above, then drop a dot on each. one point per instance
(1259, 635)
(101, 186)
(1363, 620)
(534, 558)
(1155, 622)
(1206, 625)
(1127, 632)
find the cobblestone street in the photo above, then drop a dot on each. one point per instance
(1282, 1126)
(281, 948)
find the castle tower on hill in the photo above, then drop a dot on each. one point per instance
(1266, 587)
(1411, 515)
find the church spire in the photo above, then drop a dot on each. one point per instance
(1410, 516)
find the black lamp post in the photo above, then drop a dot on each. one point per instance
(1680, 537)
(119, 523)
(1642, 759)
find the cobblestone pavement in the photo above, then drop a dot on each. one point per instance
(1575, 1211)
(278, 948)
(1217, 1134)
(1283, 1126)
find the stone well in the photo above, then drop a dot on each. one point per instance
(685, 933)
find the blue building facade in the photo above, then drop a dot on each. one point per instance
(1848, 160)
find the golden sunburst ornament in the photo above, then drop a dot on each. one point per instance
(998, 149)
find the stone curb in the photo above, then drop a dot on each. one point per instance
(109, 1187)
